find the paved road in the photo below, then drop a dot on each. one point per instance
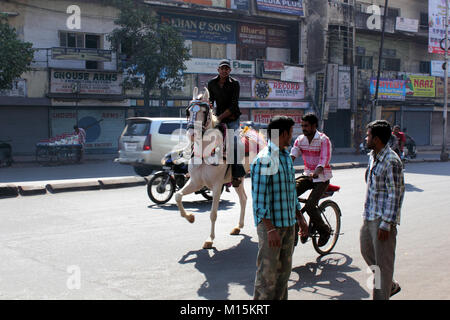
(121, 246)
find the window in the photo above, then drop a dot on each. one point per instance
(208, 50)
(251, 53)
(71, 39)
(137, 128)
(390, 64)
(425, 67)
(81, 40)
(364, 62)
(170, 127)
(423, 22)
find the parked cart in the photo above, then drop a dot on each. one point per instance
(59, 150)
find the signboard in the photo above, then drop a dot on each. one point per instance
(420, 86)
(440, 87)
(332, 84)
(239, 4)
(81, 54)
(202, 29)
(274, 104)
(294, 74)
(273, 66)
(281, 6)
(252, 34)
(277, 38)
(436, 68)
(87, 82)
(436, 25)
(265, 115)
(209, 66)
(19, 89)
(344, 93)
(405, 24)
(388, 89)
(278, 90)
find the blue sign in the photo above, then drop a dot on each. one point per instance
(202, 29)
(282, 6)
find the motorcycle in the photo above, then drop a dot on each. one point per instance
(410, 151)
(171, 178)
(5, 154)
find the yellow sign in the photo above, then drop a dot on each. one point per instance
(420, 86)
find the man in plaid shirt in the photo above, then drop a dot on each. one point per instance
(275, 209)
(384, 197)
(315, 148)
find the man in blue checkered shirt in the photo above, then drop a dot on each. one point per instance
(384, 197)
(276, 210)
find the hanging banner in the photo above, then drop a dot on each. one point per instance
(405, 24)
(420, 86)
(388, 89)
(440, 87)
(210, 66)
(278, 90)
(436, 25)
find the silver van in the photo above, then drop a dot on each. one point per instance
(144, 142)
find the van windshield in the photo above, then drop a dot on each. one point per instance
(137, 128)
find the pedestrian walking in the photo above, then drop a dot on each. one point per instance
(224, 91)
(315, 148)
(275, 210)
(384, 197)
(81, 133)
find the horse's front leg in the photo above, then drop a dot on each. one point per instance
(213, 216)
(243, 202)
(190, 187)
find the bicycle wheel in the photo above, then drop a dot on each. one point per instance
(160, 188)
(331, 214)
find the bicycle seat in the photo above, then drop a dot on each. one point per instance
(332, 188)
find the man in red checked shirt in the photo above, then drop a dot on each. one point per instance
(315, 148)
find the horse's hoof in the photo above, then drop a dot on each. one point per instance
(207, 245)
(190, 218)
(235, 232)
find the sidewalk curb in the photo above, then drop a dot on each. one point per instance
(73, 186)
(12, 190)
(32, 190)
(114, 183)
(8, 191)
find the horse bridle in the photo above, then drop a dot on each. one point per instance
(196, 106)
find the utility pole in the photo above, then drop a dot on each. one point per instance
(375, 100)
(444, 154)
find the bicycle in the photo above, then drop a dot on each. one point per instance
(331, 215)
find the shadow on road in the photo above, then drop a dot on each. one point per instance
(411, 188)
(236, 265)
(200, 206)
(330, 273)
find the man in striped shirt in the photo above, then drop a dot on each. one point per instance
(315, 148)
(384, 198)
(275, 209)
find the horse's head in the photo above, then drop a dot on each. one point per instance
(199, 112)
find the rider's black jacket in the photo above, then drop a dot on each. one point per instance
(226, 97)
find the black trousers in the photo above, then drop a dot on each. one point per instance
(303, 184)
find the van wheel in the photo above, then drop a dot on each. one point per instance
(143, 171)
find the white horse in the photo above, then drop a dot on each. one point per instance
(202, 132)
